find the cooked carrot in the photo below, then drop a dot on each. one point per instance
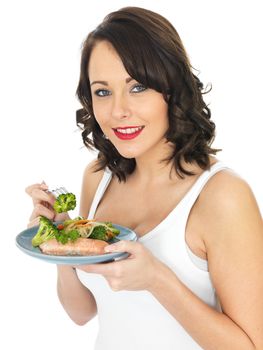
(82, 222)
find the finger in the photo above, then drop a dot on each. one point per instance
(30, 188)
(61, 217)
(39, 196)
(34, 222)
(42, 210)
(38, 192)
(102, 269)
(123, 246)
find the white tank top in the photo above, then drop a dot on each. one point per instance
(135, 320)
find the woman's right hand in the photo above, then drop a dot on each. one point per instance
(43, 205)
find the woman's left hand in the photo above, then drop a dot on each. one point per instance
(137, 272)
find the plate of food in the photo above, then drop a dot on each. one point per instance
(73, 242)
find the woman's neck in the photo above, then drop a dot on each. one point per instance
(154, 170)
(151, 166)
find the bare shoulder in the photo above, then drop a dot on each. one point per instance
(90, 182)
(91, 173)
(227, 200)
(226, 193)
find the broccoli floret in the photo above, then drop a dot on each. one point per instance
(46, 231)
(105, 232)
(65, 202)
(63, 237)
(99, 232)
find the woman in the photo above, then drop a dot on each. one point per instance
(193, 279)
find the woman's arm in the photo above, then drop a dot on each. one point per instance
(233, 236)
(76, 299)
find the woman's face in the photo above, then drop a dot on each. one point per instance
(133, 118)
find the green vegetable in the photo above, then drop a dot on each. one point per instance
(70, 230)
(103, 231)
(65, 202)
(47, 230)
(99, 232)
(63, 237)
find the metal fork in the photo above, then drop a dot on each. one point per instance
(57, 191)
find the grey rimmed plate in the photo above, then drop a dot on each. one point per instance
(24, 238)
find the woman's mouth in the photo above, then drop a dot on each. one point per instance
(128, 132)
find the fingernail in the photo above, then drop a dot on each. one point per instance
(109, 248)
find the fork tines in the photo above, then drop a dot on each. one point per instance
(57, 191)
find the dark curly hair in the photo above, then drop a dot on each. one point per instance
(152, 54)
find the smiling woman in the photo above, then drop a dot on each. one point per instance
(158, 69)
(193, 279)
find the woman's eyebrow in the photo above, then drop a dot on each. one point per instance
(99, 82)
(128, 79)
(103, 82)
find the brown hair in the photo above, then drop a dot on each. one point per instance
(153, 54)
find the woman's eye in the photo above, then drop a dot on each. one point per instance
(138, 88)
(102, 92)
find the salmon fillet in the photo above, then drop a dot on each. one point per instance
(82, 246)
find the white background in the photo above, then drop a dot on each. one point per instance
(40, 53)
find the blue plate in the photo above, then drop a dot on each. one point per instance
(23, 242)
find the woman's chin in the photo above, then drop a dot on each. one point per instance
(129, 154)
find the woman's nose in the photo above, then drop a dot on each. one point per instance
(120, 107)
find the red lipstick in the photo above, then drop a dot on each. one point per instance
(128, 132)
